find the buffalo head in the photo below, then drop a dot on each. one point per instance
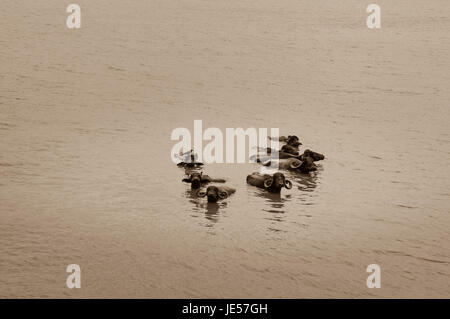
(195, 179)
(293, 140)
(213, 193)
(275, 182)
(314, 155)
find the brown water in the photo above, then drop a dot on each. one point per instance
(85, 171)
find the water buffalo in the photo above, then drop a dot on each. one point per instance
(292, 140)
(264, 157)
(272, 183)
(215, 193)
(198, 179)
(314, 155)
(304, 166)
(290, 149)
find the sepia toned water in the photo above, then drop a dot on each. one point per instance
(86, 177)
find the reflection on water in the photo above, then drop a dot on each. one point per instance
(305, 182)
(191, 194)
(191, 169)
(274, 200)
(201, 205)
(212, 210)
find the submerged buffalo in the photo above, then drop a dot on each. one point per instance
(303, 163)
(273, 183)
(292, 140)
(198, 179)
(215, 193)
(314, 155)
(263, 157)
(289, 149)
(291, 145)
(304, 166)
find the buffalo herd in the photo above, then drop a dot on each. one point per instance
(289, 158)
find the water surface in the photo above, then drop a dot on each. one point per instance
(85, 171)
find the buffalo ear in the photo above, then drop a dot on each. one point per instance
(186, 180)
(223, 194)
(287, 184)
(268, 182)
(201, 193)
(295, 164)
